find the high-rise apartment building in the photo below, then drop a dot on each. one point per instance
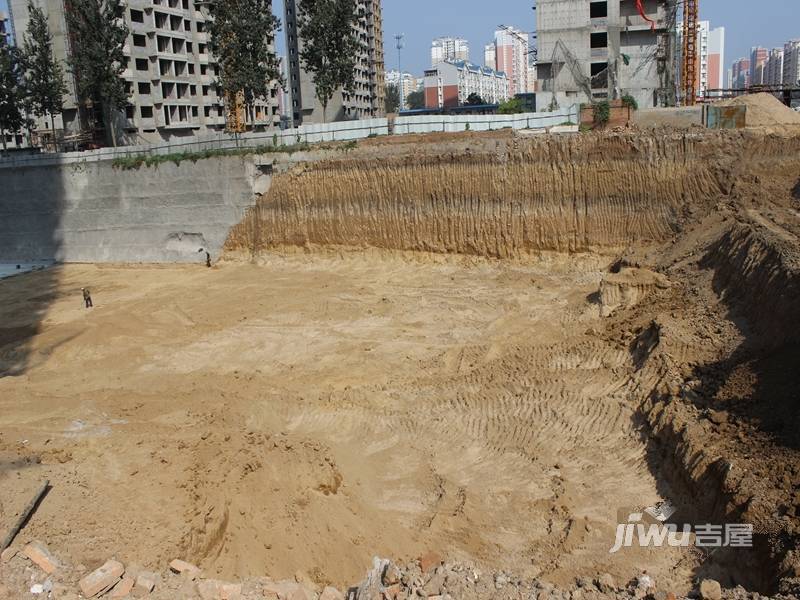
(773, 67)
(511, 50)
(604, 49)
(367, 99)
(758, 56)
(449, 48)
(490, 56)
(740, 74)
(791, 62)
(711, 58)
(170, 72)
(68, 120)
(406, 82)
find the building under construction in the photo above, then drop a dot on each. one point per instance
(170, 75)
(600, 50)
(367, 99)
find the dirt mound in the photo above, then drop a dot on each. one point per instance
(763, 110)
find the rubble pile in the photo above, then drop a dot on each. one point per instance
(34, 572)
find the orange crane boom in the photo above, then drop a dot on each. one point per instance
(689, 66)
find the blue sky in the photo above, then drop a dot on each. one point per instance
(748, 23)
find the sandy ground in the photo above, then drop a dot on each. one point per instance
(306, 414)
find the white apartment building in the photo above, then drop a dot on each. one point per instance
(449, 48)
(490, 56)
(711, 58)
(791, 62)
(407, 82)
(450, 84)
(773, 68)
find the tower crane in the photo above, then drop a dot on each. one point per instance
(689, 62)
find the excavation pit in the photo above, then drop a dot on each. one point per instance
(497, 355)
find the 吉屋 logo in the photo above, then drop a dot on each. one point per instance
(649, 528)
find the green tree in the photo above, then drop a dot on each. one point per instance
(98, 34)
(329, 45)
(511, 106)
(416, 100)
(11, 94)
(44, 78)
(242, 38)
(475, 100)
(392, 98)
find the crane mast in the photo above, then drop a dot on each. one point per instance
(689, 63)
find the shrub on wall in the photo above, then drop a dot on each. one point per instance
(630, 102)
(601, 113)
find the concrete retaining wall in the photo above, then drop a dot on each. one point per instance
(684, 117)
(92, 212)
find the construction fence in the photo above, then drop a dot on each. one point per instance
(313, 134)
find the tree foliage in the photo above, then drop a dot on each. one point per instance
(512, 106)
(329, 45)
(475, 100)
(392, 98)
(44, 78)
(97, 35)
(11, 95)
(416, 100)
(242, 40)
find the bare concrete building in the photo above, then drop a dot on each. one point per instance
(367, 100)
(54, 9)
(170, 72)
(593, 50)
(5, 28)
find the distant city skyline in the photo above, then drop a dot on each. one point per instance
(768, 23)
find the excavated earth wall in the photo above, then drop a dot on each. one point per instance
(563, 194)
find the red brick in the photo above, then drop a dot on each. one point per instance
(181, 566)
(102, 579)
(38, 553)
(123, 588)
(288, 590)
(429, 561)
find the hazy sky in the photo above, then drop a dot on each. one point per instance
(747, 23)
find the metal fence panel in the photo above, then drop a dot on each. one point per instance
(726, 117)
(329, 132)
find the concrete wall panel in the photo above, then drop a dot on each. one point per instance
(93, 212)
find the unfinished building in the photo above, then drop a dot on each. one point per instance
(367, 98)
(170, 72)
(601, 50)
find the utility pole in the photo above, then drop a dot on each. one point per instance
(399, 38)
